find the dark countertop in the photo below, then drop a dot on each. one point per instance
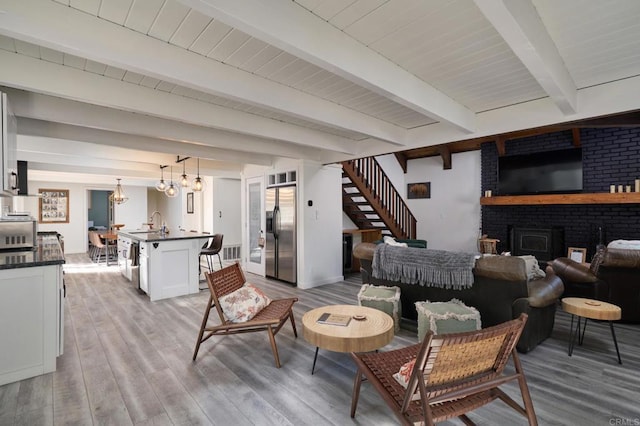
(48, 252)
(157, 236)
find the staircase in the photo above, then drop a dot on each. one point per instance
(372, 202)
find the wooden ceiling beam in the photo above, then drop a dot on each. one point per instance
(445, 153)
(402, 160)
(501, 146)
(629, 119)
(576, 137)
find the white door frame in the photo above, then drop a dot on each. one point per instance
(254, 267)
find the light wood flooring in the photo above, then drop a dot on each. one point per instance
(128, 361)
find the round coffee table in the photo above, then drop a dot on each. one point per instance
(590, 309)
(369, 334)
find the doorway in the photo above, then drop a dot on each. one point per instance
(99, 209)
(255, 231)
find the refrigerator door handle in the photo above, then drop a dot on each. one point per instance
(276, 221)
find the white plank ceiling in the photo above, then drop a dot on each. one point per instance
(245, 82)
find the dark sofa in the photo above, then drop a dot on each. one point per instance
(500, 292)
(613, 276)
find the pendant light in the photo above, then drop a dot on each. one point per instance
(161, 186)
(172, 190)
(184, 182)
(118, 194)
(198, 183)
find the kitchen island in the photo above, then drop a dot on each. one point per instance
(31, 310)
(168, 263)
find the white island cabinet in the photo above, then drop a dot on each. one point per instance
(168, 263)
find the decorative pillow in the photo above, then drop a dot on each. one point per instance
(533, 269)
(404, 374)
(244, 303)
(392, 242)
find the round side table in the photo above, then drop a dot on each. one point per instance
(372, 332)
(590, 309)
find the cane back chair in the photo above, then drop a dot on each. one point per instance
(453, 374)
(270, 319)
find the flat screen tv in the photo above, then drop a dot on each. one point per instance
(541, 173)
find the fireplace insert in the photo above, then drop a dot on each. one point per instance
(543, 243)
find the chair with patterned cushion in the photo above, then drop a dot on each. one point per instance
(447, 375)
(243, 308)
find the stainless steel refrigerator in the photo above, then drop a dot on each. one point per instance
(280, 248)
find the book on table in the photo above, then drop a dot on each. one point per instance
(334, 319)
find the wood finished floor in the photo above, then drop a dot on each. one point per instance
(128, 361)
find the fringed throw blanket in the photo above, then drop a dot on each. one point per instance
(433, 268)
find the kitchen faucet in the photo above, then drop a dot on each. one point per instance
(152, 215)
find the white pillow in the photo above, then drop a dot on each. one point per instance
(244, 303)
(625, 244)
(533, 269)
(403, 376)
(392, 242)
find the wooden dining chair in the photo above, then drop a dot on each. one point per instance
(452, 375)
(270, 319)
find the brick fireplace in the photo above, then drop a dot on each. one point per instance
(610, 156)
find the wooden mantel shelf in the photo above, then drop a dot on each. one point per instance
(586, 198)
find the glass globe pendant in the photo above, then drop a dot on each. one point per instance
(172, 190)
(198, 183)
(161, 186)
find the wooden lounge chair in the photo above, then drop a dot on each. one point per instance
(270, 319)
(453, 374)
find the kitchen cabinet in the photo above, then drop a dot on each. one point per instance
(124, 257)
(32, 318)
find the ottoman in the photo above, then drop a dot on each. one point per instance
(446, 317)
(385, 299)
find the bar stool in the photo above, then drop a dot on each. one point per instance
(212, 248)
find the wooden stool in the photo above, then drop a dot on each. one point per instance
(590, 309)
(488, 245)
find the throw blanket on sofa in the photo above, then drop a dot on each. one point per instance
(434, 268)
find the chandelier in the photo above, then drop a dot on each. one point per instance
(118, 194)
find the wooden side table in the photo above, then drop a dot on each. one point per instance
(590, 309)
(372, 333)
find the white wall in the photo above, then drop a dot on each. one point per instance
(319, 225)
(133, 213)
(450, 219)
(394, 172)
(227, 210)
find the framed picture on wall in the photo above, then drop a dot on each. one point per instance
(577, 254)
(419, 190)
(53, 206)
(190, 202)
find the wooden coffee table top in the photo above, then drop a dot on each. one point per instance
(366, 335)
(592, 309)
